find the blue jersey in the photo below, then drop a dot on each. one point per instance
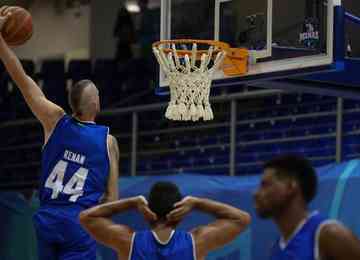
(146, 246)
(303, 245)
(75, 164)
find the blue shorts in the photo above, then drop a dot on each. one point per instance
(60, 236)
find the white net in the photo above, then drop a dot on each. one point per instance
(189, 82)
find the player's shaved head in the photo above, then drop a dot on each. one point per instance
(84, 98)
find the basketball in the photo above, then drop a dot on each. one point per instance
(18, 29)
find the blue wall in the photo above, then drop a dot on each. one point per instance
(338, 187)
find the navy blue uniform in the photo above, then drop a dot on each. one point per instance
(146, 246)
(75, 169)
(303, 245)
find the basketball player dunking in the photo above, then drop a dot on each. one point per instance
(164, 211)
(79, 163)
(289, 183)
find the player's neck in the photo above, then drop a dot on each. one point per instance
(162, 230)
(290, 219)
(162, 226)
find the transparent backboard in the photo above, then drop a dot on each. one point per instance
(282, 36)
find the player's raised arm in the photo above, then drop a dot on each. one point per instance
(47, 112)
(97, 221)
(229, 223)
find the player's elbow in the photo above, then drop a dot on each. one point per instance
(243, 221)
(84, 218)
(246, 219)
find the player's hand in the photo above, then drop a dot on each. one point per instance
(142, 206)
(2, 9)
(181, 209)
(3, 18)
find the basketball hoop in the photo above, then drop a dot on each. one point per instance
(189, 73)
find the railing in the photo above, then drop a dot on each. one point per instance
(231, 124)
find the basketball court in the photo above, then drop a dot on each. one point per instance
(212, 59)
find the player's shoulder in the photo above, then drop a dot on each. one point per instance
(58, 124)
(332, 229)
(56, 115)
(142, 235)
(182, 232)
(112, 141)
(111, 138)
(184, 235)
(63, 117)
(337, 240)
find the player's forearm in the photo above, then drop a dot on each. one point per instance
(12, 64)
(221, 210)
(109, 209)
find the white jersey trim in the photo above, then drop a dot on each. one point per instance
(86, 122)
(108, 158)
(131, 246)
(317, 236)
(283, 244)
(163, 242)
(194, 246)
(107, 147)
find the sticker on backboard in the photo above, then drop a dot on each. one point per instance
(310, 35)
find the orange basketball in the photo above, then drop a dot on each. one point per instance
(18, 29)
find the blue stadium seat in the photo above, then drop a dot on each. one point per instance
(350, 126)
(351, 140)
(317, 163)
(248, 170)
(351, 149)
(272, 135)
(321, 129)
(125, 166)
(213, 171)
(283, 124)
(320, 152)
(352, 156)
(352, 117)
(351, 104)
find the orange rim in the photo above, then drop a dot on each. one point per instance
(220, 46)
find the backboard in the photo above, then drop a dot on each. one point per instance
(285, 37)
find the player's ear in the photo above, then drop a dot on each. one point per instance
(293, 186)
